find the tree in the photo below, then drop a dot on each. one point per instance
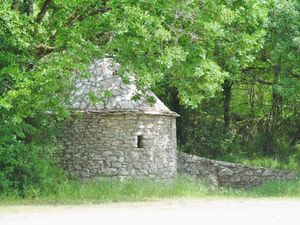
(280, 70)
(200, 53)
(260, 90)
(215, 41)
(44, 42)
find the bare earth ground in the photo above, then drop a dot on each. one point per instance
(166, 212)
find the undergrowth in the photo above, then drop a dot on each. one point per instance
(292, 163)
(110, 190)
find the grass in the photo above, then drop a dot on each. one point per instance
(111, 190)
(108, 190)
(289, 189)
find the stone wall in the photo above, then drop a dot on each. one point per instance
(222, 173)
(120, 145)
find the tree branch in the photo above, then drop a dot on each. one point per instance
(28, 7)
(43, 50)
(43, 11)
(93, 12)
(73, 17)
(78, 15)
(15, 5)
(295, 75)
(89, 11)
(266, 82)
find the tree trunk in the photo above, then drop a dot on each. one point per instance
(227, 89)
(43, 11)
(29, 7)
(274, 115)
(15, 5)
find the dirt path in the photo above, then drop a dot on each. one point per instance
(166, 212)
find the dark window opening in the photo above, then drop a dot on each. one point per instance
(140, 143)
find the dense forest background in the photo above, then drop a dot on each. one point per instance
(230, 68)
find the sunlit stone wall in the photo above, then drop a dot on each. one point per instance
(120, 145)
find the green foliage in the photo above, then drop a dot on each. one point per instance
(38, 55)
(184, 50)
(255, 45)
(205, 81)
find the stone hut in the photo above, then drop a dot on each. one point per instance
(117, 136)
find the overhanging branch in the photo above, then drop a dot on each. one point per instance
(266, 82)
(15, 5)
(295, 75)
(43, 11)
(80, 15)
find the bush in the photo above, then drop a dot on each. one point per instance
(28, 168)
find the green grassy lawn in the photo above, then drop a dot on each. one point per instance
(107, 190)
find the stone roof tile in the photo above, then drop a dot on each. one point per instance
(120, 94)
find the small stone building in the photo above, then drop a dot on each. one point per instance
(112, 135)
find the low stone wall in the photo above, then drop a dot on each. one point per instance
(222, 173)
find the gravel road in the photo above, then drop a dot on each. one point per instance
(166, 212)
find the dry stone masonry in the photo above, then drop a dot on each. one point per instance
(121, 145)
(104, 91)
(112, 135)
(222, 173)
(117, 136)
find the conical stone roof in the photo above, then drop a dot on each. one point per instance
(89, 93)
